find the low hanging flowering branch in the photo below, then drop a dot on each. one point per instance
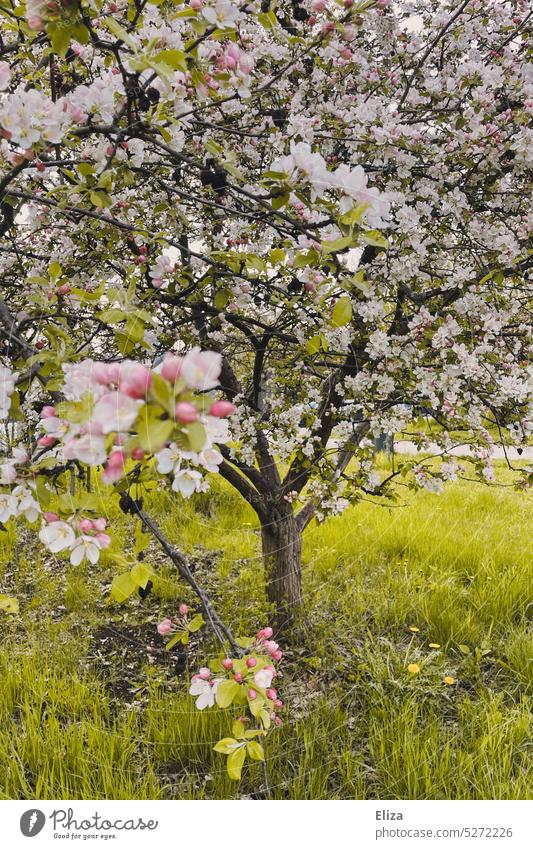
(243, 683)
(139, 423)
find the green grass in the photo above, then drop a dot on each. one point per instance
(88, 711)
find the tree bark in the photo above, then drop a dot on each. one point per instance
(282, 556)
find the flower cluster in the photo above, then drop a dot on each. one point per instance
(180, 627)
(83, 538)
(246, 683)
(117, 411)
(302, 166)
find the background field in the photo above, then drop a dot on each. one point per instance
(91, 706)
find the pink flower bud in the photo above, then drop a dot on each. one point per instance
(318, 5)
(135, 381)
(46, 441)
(48, 412)
(278, 720)
(272, 694)
(64, 289)
(116, 460)
(164, 627)
(183, 609)
(222, 409)
(185, 412)
(104, 540)
(271, 670)
(238, 678)
(278, 704)
(267, 632)
(171, 367)
(251, 662)
(137, 454)
(86, 525)
(204, 673)
(35, 23)
(227, 663)
(277, 655)
(252, 694)
(100, 524)
(48, 516)
(196, 5)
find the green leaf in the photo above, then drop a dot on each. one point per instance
(265, 719)
(312, 346)
(245, 642)
(280, 200)
(141, 574)
(235, 763)
(154, 433)
(80, 33)
(175, 59)
(122, 587)
(196, 623)
(226, 692)
(100, 199)
(256, 706)
(55, 271)
(222, 297)
(161, 391)
(354, 215)
(178, 637)
(255, 751)
(112, 315)
(336, 245)
(276, 256)
(227, 745)
(59, 38)
(374, 237)
(237, 728)
(196, 436)
(342, 312)
(85, 169)
(8, 604)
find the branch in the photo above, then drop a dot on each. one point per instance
(221, 631)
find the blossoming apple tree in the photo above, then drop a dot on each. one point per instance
(248, 237)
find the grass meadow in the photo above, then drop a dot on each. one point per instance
(91, 706)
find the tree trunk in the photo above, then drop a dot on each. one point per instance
(282, 554)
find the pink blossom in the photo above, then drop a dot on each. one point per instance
(200, 369)
(185, 412)
(48, 412)
(49, 516)
(171, 367)
(104, 540)
(222, 409)
(164, 627)
(135, 380)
